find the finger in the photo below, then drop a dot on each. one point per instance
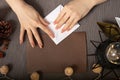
(67, 24)
(46, 30)
(62, 21)
(62, 13)
(43, 21)
(30, 37)
(22, 31)
(72, 25)
(37, 37)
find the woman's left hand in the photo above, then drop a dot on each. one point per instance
(73, 12)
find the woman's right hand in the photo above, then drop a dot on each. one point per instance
(30, 20)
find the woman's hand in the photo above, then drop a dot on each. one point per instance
(30, 20)
(73, 12)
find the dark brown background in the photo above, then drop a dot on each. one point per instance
(16, 54)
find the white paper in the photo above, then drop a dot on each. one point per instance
(58, 35)
(118, 21)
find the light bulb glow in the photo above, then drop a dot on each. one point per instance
(113, 53)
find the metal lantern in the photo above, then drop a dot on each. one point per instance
(108, 51)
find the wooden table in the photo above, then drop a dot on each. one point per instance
(16, 54)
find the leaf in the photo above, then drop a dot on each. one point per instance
(112, 31)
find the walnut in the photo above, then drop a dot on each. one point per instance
(97, 68)
(69, 71)
(4, 69)
(35, 76)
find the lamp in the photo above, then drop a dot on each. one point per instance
(108, 51)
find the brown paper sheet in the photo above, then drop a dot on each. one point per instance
(54, 58)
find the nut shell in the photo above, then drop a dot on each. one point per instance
(4, 69)
(35, 76)
(68, 71)
(97, 68)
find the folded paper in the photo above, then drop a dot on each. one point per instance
(58, 35)
(118, 20)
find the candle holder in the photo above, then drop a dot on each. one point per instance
(107, 53)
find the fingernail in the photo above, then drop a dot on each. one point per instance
(55, 22)
(52, 36)
(57, 27)
(33, 45)
(40, 45)
(68, 29)
(47, 24)
(21, 42)
(63, 30)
